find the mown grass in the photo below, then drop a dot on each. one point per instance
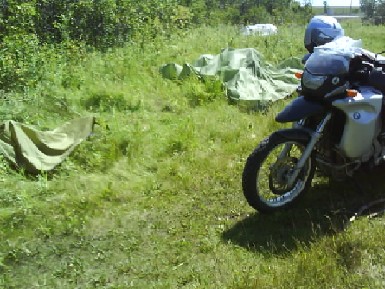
(153, 199)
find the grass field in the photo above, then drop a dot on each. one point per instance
(153, 199)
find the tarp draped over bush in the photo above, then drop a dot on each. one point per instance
(33, 150)
(245, 74)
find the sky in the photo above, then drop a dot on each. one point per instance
(335, 2)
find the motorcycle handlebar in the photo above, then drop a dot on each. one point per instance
(373, 60)
(379, 63)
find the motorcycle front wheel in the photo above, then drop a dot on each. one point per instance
(265, 175)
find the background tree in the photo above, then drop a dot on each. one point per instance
(368, 7)
(380, 8)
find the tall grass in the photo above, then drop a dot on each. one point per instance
(153, 198)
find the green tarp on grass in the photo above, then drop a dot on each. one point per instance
(245, 74)
(32, 150)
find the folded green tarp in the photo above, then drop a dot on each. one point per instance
(244, 73)
(34, 151)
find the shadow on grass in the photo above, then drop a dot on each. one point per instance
(325, 210)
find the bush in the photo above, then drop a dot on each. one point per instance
(19, 62)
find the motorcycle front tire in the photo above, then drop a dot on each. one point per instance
(254, 171)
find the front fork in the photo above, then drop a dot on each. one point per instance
(315, 136)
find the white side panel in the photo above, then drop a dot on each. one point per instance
(362, 122)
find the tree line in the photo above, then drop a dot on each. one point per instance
(105, 23)
(35, 32)
(373, 8)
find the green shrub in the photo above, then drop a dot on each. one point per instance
(104, 101)
(101, 150)
(199, 93)
(19, 62)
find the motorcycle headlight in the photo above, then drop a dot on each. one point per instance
(312, 82)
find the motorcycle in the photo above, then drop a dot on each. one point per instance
(338, 127)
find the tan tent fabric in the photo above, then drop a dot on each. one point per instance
(33, 150)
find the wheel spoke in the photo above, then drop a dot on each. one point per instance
(275, 168)
(265, 178)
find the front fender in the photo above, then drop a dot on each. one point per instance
(299, 108)
(292, 133)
